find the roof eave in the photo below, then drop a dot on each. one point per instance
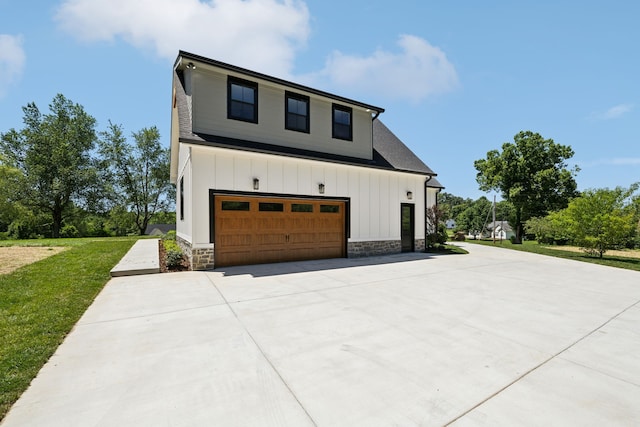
(219, 64)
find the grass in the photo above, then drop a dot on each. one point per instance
(534, 247)
(40, 303)
(446, 249)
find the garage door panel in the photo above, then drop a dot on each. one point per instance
(270, 223)
(235, 240)
(227, 224)
(303, 238)
(269, 239)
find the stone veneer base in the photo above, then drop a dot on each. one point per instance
(199, 258)
(204, 258)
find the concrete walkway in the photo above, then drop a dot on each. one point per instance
(494, 338)
(142, 258)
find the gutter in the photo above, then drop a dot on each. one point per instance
(426, 221)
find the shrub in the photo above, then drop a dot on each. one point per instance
(69, 231)
(23, 228)
(171, 235)
(173, 253)
(459, 236)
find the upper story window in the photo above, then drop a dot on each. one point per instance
(296, 112)
(342, 122)
(242, 100)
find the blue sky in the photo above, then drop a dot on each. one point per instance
(456, 80)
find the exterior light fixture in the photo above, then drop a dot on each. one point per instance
(321, 188)
(409, 195)
(256, 184)
(191, 66)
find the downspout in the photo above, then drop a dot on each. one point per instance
(426, 221)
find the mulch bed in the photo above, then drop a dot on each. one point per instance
(184, 265)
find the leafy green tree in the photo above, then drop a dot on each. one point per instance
(53, 152)
(532, 174)
(163, 217)
(139, 172)
(120, 222)
(602, 219)
(10, 183)
(474, 217)
(551, 229)
(436, 230)
(451, 206)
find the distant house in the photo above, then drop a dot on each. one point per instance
(159, 229)
(500, 229)
(451, 224)
(268, 170)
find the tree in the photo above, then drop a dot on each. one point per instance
(451, 205)
(602, 219)
(53, 152)
(139, 172)
(551, 229)
(436, 230)
(10, 182)
(532, 174)
(474, 218)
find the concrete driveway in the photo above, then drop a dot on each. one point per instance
(494, 338)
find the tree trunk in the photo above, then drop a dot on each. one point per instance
(519, 227)
(57, 223)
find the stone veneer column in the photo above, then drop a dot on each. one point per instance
(199, 258)
(372, 248)
(203, 259)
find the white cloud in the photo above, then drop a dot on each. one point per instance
(259, 34)
(625, 161)
(12, 60)
(615, 112)
(263, 35)
(618, 161)
(416, 72)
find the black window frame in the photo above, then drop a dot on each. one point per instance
(230, 101)
(287, 122)
(338, 134)
(182, 198)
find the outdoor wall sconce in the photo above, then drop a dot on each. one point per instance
(256, 184)
(409, 195)
(321, 188)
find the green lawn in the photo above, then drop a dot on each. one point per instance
(40, 303)
(534, 247)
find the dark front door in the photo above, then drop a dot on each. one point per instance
(407, 227)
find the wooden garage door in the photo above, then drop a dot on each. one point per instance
(254, 230)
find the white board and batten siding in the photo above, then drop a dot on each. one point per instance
(375, 195)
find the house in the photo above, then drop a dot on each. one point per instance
(159, 229)
(268, 170)
(500, 230)
(450, 224)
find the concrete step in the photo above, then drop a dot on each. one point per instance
(142, 258)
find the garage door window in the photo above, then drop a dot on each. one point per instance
(271, 207)
(235, 206)
(301, 207)
(330, 208)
